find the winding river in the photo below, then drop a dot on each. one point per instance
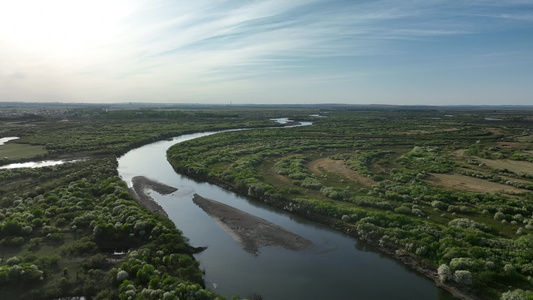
(337, 267)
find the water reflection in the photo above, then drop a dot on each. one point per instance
(7, 139)
(38, 164)
(333, 269)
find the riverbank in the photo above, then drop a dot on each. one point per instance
(460, 292)
(406, 259)
(249, 231)
(140, 188)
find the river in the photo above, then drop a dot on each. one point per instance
(337, 267)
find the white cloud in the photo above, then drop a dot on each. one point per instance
(203, 47)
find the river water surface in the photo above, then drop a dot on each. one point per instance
(337, 267)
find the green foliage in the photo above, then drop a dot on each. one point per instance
(426, 159)
(362, 162)
(484, 239)
(463, 277)
(84, 215)
(473, 233)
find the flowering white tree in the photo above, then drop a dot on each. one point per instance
(445, 273)
(463, 277)
(513, 295)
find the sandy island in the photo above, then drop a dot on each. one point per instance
(248, 230)
(140, 186)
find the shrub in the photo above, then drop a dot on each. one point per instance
(513, 295)
(404, 210)
(12, 241)
(463, 277)
(418, 212)
(445, 273)
(13, 261)
(509, 269)
(499, 216)
(122, 275)
(11, 227)
(467, 223)
(464, 263)
(440, 205)
(311, 183)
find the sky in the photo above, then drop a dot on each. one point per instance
(400, 52)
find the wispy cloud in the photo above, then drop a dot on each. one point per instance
(222, 45)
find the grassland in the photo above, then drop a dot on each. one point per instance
(15, 152)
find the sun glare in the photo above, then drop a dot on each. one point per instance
(59, 26)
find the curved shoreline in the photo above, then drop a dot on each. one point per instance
(461, 292)
(250, 231)
(140, 186)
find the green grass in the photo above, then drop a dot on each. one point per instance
(14, 151)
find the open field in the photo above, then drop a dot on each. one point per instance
(14, 151)
(511, 165)
(471, 184)
(327, 165)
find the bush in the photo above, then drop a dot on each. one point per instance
(463, 277)
(445, 273)
(122, 275)
(513, 295)
(13, 261)
(311, 183)
(464, 263)
(11, 227)
(440, 205)
(467, 223)
(404, 210)
(12, 241)
(498, 216)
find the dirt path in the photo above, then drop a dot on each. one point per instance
(248, 230)
(140, 188)
(338, 167)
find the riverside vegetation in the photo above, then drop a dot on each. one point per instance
(448, 193)
(62, 226)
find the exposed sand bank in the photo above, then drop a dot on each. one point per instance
(250, 231)
(140, 186)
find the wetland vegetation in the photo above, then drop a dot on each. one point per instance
(446, 191)
(75, 229)
(449, 195)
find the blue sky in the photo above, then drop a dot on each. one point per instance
(272, 51)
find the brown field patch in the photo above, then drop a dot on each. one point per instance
(526, 138)
(424, 131)
(338, 167)
(495, 131)
(472, 184)
(511, 165)
(509, 145)
(460, 153)
(448, 129)
(272, 170)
